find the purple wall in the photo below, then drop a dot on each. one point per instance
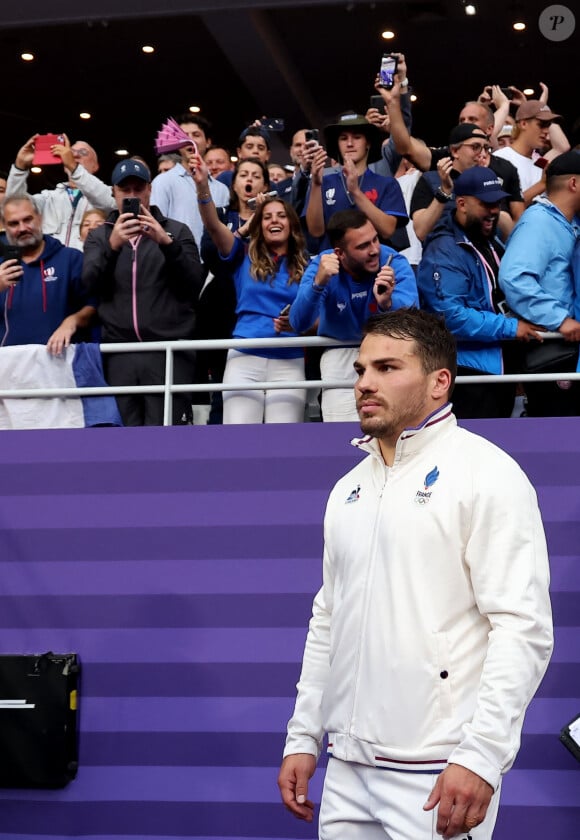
(180, 564)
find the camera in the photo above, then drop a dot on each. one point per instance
(272, 123)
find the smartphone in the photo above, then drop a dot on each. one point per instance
(311, 134)
(388, 70)
(382, 288)
(378, 102)
(11, 252)
(42, 154)
(252, 202)
(507, 92)
(131, 205)
(285, 310)
(272, 123)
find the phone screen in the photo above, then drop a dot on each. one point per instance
(388, 70)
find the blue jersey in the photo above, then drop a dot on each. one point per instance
(383, 191)
(344, 304)
(258, 303)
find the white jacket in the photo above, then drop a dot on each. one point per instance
(432, 629)
(58, 217)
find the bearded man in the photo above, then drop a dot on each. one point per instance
(458, 277)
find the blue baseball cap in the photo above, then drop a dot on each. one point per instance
(481, 183)
(130, 168)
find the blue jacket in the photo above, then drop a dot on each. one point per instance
(453, 281)
(536, 272)
(50, 289)
(344, 304)
(259, 302)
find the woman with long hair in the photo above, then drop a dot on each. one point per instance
(217, 303)
(266, 272)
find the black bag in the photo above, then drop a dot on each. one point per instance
(570, 737)
(38, 720)
(554, 355)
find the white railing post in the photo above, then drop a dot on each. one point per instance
(168, 393)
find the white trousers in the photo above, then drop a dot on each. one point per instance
(338, 405)
(369, 803)
(274, 406)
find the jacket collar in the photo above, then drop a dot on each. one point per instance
(412, 439)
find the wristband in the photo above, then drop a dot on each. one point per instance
(404, 82)
(206, 199)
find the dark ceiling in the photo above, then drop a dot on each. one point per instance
(305, 63)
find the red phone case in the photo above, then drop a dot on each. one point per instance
(42, 153)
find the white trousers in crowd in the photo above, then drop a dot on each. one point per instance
(338, 405)
(369, 803)
(258, 406)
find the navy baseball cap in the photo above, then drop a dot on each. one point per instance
(130, 169)
(481, 183)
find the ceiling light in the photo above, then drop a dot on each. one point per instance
(528, 91)
(388, 35)
(470, 9)
(519, 26)
(413, 97)
(36, 169)
(84, 115)
(148, 49)
(195, 109)
(27, 56)
(121, 152)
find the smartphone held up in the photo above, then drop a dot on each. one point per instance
(131, 205)
(388, 70)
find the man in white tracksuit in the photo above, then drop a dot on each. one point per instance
(432, 629)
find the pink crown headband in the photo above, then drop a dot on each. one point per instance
(171, 138)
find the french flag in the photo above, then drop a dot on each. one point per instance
(32, 366)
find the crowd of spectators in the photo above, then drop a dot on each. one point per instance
(361, 217)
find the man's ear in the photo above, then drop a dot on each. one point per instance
(339, 252)
(441, 383)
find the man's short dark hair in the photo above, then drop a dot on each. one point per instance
(342, 221)
(198, 120)
(3, 175)
(435, 344)
(254, 131)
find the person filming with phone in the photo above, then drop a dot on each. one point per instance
(341, 287)
(41, 293)
(145, 270)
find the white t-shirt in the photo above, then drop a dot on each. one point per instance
(529, 173)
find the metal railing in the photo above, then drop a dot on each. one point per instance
(168, 388)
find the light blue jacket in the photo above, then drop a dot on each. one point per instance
(536, 272)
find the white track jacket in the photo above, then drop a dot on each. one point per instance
(432, 629)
